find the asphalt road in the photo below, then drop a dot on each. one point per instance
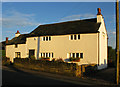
(14, 77)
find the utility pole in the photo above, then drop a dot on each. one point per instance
(117, 40)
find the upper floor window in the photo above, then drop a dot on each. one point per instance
(47, 38)
(79, 36)
(75, 37)
(71, 37)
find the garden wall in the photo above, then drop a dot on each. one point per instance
(70, 69)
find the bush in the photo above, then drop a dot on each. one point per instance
(74, 59)
(59, 60)
(47, 58)
(5, 61)
(32, 57)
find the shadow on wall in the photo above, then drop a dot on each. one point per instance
(103, 66)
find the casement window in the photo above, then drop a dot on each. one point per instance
(17, 55)
(49, 55)
(75, 37)
(45, 55)
(75, 55)
(52, 55)
(16, 45)
(71, 37)
(47, 38)
(81, 55)
(79, 36)
(43, 38)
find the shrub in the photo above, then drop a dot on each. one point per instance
(74, 59)
(59, 60)
(53, 60)
(5, 61)
(32, 57)
(43, 58)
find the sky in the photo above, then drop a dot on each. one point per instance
(26, 16)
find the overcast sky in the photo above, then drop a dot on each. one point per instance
(26, 16)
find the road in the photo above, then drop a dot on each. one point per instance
(15, 77)
(12, 76)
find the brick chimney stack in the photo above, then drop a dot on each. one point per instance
(99, 16)
(6, 40)
(17, 33)
(99, 11)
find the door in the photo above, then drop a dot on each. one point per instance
(31, 53)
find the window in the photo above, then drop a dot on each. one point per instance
(73, 55)
(46, 54)
(16, 45)
(81, 55)
(71, 37)
(77, 55)
(52, 55)
(47, 38)
(79, 36)
(74, 37)
(17, 55)
(49, 54)
(43, 55)
(43, 38)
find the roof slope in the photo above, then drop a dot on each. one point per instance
(70, 27)
(18, 40)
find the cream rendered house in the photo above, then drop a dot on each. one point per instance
(86, 39)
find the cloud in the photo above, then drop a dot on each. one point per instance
(14, 18)
(77, 17)
(112, 32)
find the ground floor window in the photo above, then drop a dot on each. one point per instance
(75, 55)
(17, 55)
(48, 54)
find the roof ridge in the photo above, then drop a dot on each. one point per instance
(66, 22)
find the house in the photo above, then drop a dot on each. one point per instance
(86, 39)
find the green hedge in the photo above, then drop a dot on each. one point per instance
(59, 67)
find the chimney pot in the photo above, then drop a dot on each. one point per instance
(99, 11)
(17, 31)
(6, 39)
